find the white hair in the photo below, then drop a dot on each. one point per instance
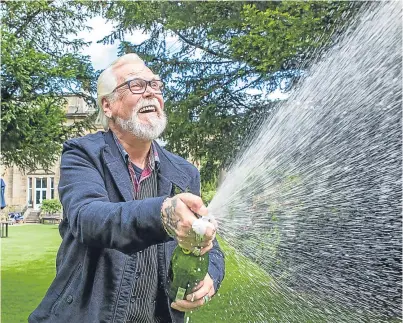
(107, 83)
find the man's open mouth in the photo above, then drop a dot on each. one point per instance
(147, 109)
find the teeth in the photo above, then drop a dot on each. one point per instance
(147, 109)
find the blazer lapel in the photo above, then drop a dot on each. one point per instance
(170, 175)
(117, 168)
(164, 185)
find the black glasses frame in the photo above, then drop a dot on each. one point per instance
(148, 83)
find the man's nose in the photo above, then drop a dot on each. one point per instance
(149, 92)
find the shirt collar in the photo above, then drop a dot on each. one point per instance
(153, 160)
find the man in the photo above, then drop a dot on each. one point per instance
(122, 218)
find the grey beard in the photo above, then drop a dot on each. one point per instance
(144, 131)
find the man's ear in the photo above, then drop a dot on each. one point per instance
(106, 106)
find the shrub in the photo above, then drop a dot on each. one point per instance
(51, 206)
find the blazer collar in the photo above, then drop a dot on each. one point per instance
(168, 171)
(117, 167)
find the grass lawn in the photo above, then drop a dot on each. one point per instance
(246, 295)
(27, 268)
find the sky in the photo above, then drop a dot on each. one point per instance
(103, 55)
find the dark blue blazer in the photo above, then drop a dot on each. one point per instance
(103, 228)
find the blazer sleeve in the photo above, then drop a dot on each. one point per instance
(216, 268)
(92, 219)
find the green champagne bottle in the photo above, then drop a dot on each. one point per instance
(187, 269)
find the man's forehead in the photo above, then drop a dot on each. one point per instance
(147, 76)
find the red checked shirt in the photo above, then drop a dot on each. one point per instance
(151, 165)
(143, 300)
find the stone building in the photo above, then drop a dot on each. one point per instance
(25, 192)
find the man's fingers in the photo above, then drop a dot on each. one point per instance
(203, 211)
(185, 234)
(206, 249)
(177, 307)
(184, 305)
(198, 294)
(211, 292)
(193, 202)
(202, 293)
(198, 286)
(210, 231)
(191, 296)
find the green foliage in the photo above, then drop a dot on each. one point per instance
(211, 53)
(51, 206)
(208, 191)
(283, 35)
(39, 65)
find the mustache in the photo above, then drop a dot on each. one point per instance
(146, 102)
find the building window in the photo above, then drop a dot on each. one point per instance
(52, 187)
(29, 199)
(40, 190)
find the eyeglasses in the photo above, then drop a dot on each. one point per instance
(139, 86)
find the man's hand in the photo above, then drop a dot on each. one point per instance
(202, 293)
(178, 217)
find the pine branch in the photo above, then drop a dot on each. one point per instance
(207, 50)
(27, 21)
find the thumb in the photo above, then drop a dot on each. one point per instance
(194, 202)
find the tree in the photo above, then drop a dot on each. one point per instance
(40, 63)
(221, 51)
